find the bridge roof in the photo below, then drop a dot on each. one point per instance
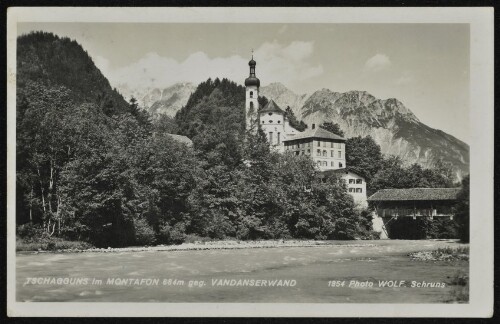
(413, 194)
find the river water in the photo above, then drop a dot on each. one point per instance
(300, 274)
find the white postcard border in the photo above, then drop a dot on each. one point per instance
(481, 157)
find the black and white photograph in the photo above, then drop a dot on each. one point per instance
(263, 158)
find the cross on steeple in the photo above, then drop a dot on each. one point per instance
(252, 53)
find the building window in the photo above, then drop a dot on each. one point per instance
(359, 181)
(351, 181)
(308, 144)
(319, 143)
(297, 152)
(332, 153)
(319, 163)
(324, 144)
(359, 190)
(308, 152)
(279, 121)
(340, 154)
(262, 122)
(332, 144)
(325, 163)
(271, 137)
(270, 114)
(325, 154)
(351, 189)
(332, 164)
(251, 94)
(279, 134)
(318, 152)
(339, 145)
(270, 121)
(340, 165)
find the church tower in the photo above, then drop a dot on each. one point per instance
(252, 85)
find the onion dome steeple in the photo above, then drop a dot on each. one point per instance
(252, 80)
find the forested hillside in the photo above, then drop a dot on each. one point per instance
(93, 168)
(48, 60)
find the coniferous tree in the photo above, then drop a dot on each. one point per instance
(298, 125)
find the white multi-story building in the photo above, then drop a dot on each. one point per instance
(325, 148)
(356, 185)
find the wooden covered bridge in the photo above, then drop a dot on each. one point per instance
(389, 204)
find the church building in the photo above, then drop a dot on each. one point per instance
(325, 148)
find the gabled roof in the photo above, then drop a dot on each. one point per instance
(414, 194)
(318, 132)
(271, 107)
(181, 139)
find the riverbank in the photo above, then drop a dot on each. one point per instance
(230, 245)
(442, 254)
(209, 245)
(50, 245)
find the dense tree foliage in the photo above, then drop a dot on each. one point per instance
(294, 122)
(214, 104)
(262, 102)
(462, 210)
(333, 127)
(51, 61)
(363, 156)
(393, 173)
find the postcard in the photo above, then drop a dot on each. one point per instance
(317, 162)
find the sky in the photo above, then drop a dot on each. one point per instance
(425, 66)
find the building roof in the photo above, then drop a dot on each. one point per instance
(252, 81)
(181, 139)
(272, 107)
(414, 194)
(314, 133)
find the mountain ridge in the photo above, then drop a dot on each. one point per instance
(392, 125)
(157, 100)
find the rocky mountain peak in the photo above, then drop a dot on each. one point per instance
(161, 100)
(283, 96)
(277, 86)
(393, 126)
